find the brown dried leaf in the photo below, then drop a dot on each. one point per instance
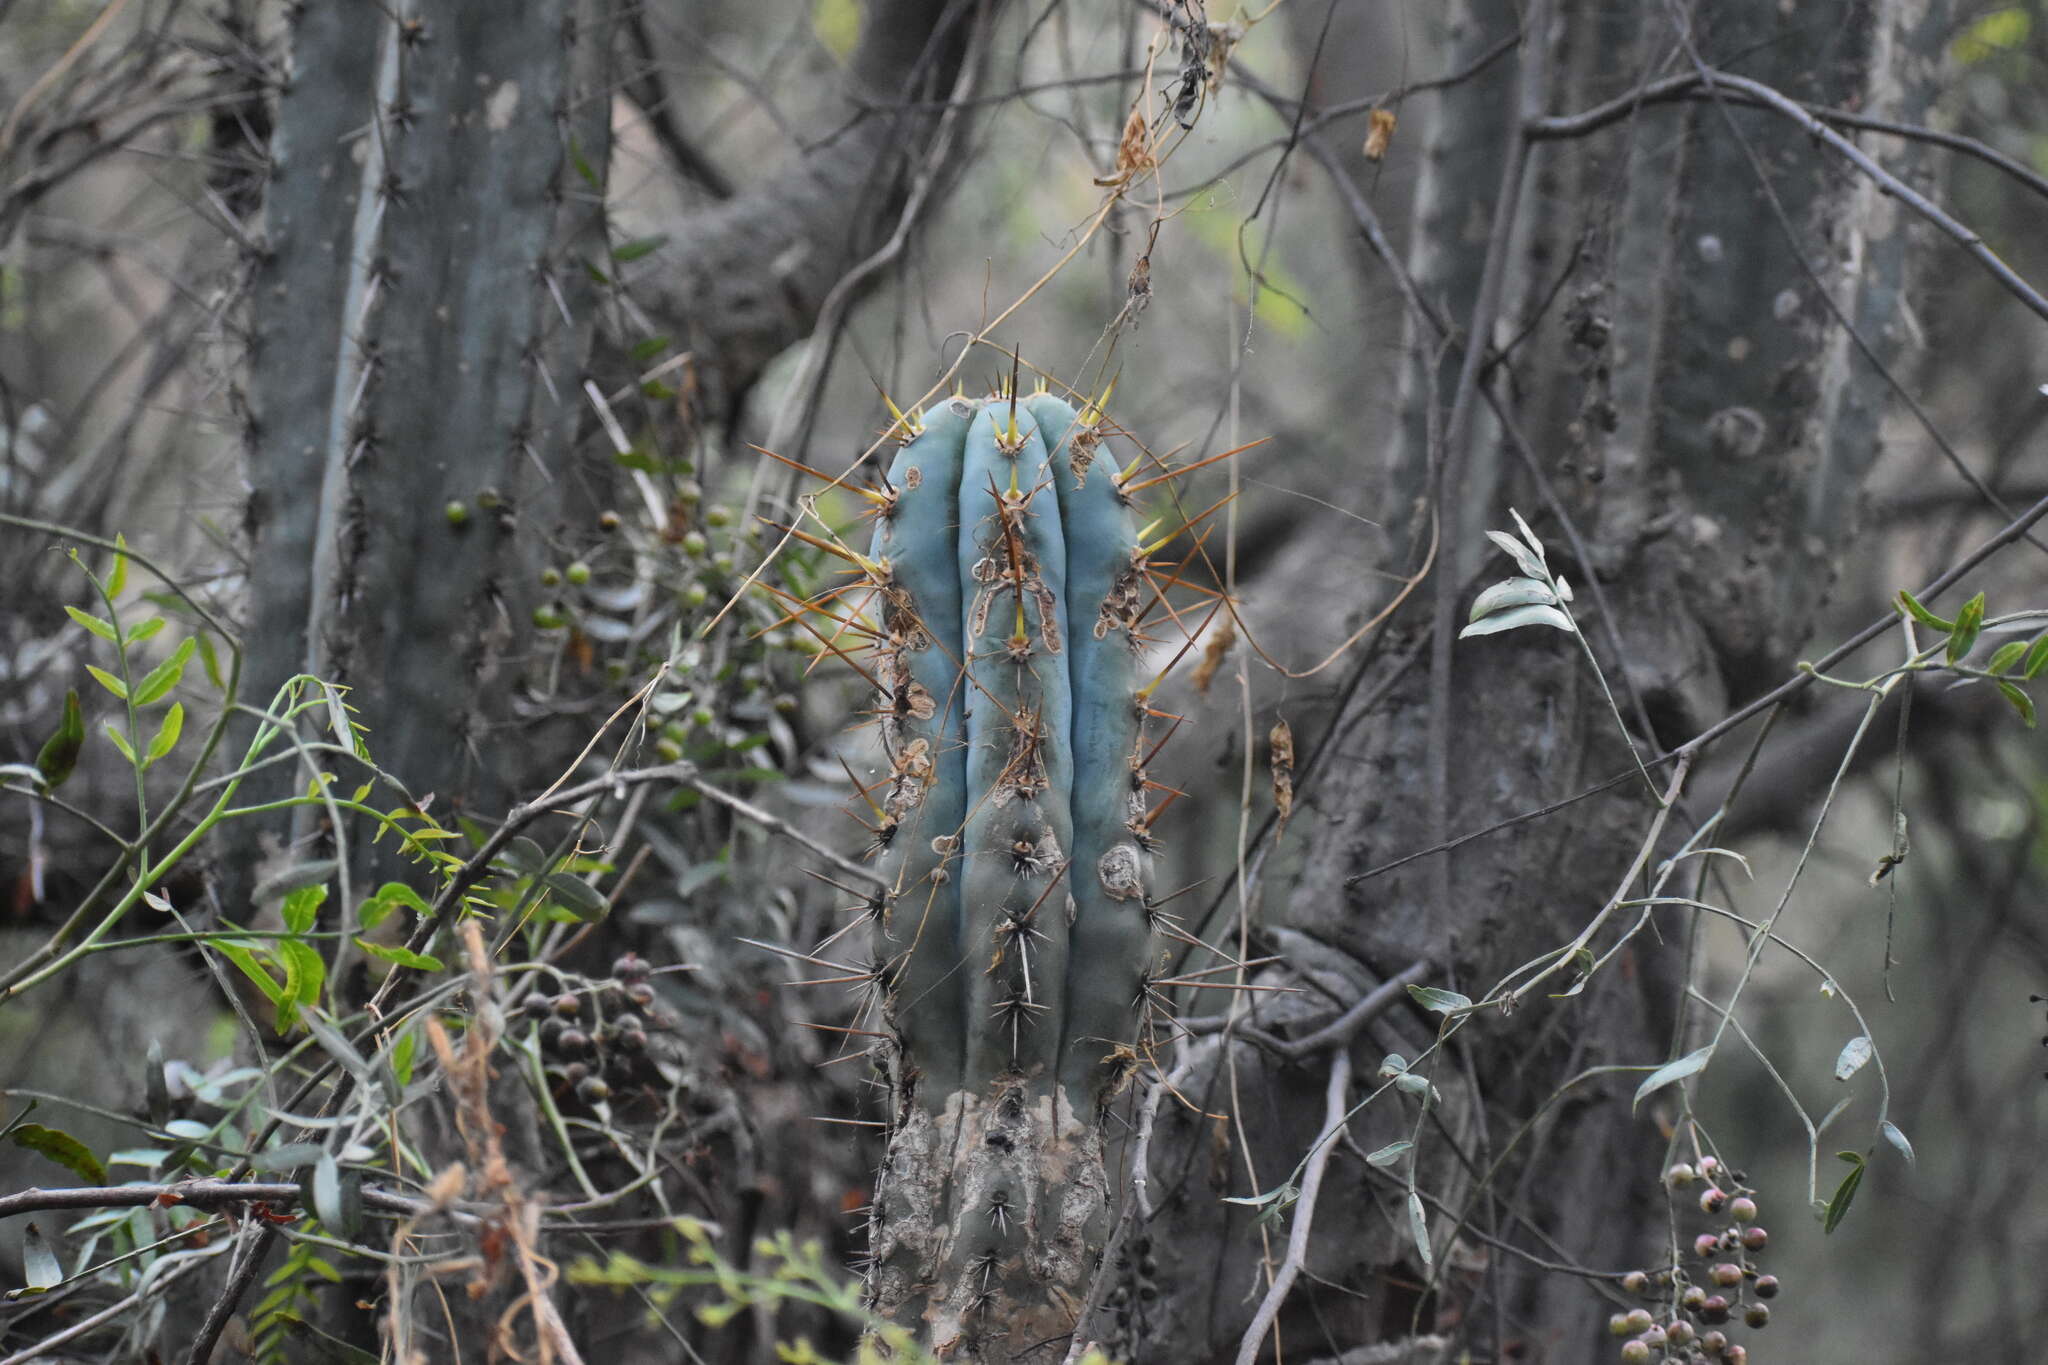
(1281, 744)
(1220, 641)
(1379, 133)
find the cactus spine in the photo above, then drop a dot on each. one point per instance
(1018, 936)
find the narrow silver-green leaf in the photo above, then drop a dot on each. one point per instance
(1690, 1064)
(1440, 1001)
(1512, 592)
(39, 1265)
(1389, 1154)
(1855, 1053)
(1418, 1226)
(1516, 617)
(1896, 1138)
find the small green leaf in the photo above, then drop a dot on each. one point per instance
(211, 662)
(1440, 1001)
(62, 1148)
(244, 958)
(103, 629)
(2037, 658)
(110, 682)
(2005, 656)
(1512, 592)
(166, 733)
(402, 957)
(305, 972)
(326, 1184)
(165, 675)
(1418, 1225)
(1911, 606)
(1387, 1155)
(1690, 1064)
(59, 754)
(1969, 624)
(1516, 617)
(138, 633)
(39, 1265)
(578, 897)
(584, 168)
(2021, 702)
(1845, 1193)
(1897, 1139)
(302, 908)
(627, 252)
(289, 1157)
(1855, 1053)
(402, 1052)
(647, 348)
(120, 740)
(118, 579)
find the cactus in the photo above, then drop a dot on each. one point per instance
(1016, 938)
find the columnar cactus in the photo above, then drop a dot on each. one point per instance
(1018, 937)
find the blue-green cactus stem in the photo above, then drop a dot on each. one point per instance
(1019, 833)
(923, 801)
(1111, 944)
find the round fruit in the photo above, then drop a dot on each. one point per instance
(577, 573)
(1679, 1176)
(1757, 1316)
(593, 1090)
(1742, 1209)
(1767, 1286)
(1712, 1199)
(568, 1004)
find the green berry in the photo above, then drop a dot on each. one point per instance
(577, 573)
(718, 515)
(667, 749)
(694, 544)
(548, 616)
(696, 595)
(457, 513)
(1639, 1320)
(1742, 1209)
(608, 521)
(551, 577)
(1635, 1353)
(593, 1090)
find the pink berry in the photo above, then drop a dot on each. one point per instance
(1713, 1199)
(1767, 1286)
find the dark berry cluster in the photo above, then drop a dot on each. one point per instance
(1708, 1292)
(595, 1037)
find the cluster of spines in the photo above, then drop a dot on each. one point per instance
(1002, 608)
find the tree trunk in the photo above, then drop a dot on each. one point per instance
(1704, 421)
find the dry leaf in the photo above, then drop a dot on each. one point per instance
(1379, 133)
(1220, 641)
(1280, 742)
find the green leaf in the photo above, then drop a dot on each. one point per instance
(2021, 702)
(402, 1054)
(326, 1184)
(120, 740)
(166, 734)
(340, 1048)
(1516, 617)
(1969, 624)
(1845, 1193)
(402, 957)
(1897, 1139)
(305, 971)
(302, 908)
(1440, 1001)
(62, 1148)
(1855, 1053)
(103, 629)
(647, 348)
(138, 633)
(584, 168)
(1418, 1226)
(289, 1157)
(2037, 658)
(1910, 605)
(165, 675)
(1388, 1155)
(110, 682)
(2005, 656)
(59, 754)
(118, 579)
(582, 900)
(245, 958)
(39, 1265)
(211, 662)
(1512, 592)
(1690, 1064)
(627, 252)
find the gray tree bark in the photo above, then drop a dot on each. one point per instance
(1703, 419)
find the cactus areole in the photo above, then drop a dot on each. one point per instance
(1018, 938)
